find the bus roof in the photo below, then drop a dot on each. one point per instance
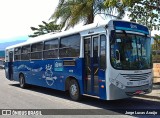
(65, 33)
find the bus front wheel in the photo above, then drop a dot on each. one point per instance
(22, 81)
(74, 90)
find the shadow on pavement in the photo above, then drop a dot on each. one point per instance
(115, 106)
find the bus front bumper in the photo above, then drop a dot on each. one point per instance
(117, 93)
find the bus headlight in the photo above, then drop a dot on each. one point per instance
(117, 83)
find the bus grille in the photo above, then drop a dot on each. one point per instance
(136, 77)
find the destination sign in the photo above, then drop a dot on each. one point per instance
(122, 25)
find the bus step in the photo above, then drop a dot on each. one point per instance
(91, 96)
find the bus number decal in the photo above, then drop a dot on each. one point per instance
(58, 65)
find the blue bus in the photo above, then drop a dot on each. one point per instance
(107, 61)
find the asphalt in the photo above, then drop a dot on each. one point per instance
(154, 95)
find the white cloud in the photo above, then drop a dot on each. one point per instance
(17, 16)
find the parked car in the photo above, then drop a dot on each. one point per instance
(1, 66)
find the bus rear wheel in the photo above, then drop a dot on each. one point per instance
(22, 81)
(74, 90)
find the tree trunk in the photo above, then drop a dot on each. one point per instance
(90, 18)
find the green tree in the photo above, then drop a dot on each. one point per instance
(156, 44)
(155, 49)
(71, 12)
(146, 12)
(117, 7)
(45, 28)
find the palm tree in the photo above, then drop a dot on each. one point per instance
(71, 12)
(45, 28)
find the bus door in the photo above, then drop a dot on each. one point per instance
(91, 63)
(10, 65)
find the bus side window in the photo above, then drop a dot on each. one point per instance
(102, 52)
(36, 50)
(17, 54)
(70, 46)
(25, 52)
(50, 49)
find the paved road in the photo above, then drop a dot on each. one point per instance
(13, 97)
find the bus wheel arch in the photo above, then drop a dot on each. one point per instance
(22, 82)
(72, 85)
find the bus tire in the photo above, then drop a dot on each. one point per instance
(74, 90)
(22, 81)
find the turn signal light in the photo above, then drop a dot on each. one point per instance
(102, 86)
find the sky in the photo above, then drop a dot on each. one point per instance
(17, 16)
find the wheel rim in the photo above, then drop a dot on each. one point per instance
(74, 90)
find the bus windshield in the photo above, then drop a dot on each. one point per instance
(130, 51)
